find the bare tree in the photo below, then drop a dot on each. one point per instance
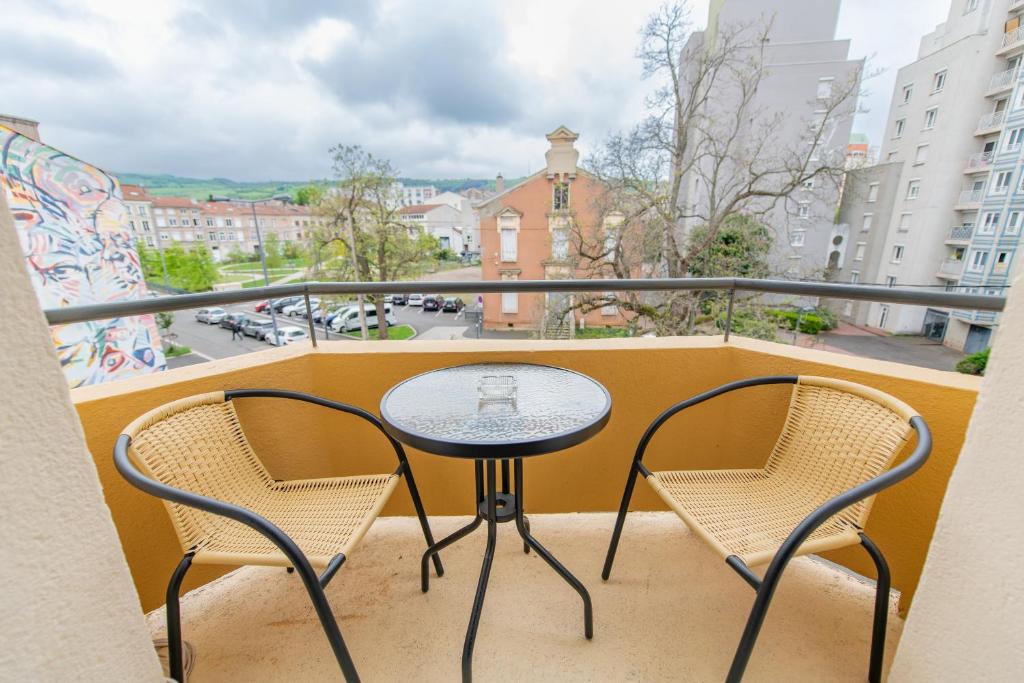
(362, 215)
(705, 153)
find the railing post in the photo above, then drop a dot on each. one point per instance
(309, 319)
(728, 314)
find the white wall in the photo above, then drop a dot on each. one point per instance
(968, 613)
(69, 610)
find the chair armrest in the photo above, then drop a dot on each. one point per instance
(844, 500)
(263, 526)
(700, 398)
(403, 463)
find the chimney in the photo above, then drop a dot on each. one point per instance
(26, 127)
(563, 156)
(499, 183)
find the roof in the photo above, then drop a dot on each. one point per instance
(420, 208)
(175, 202)
(134, 193)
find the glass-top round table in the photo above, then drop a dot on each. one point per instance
(497, 413)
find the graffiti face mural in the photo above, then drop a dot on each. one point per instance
(73, 227)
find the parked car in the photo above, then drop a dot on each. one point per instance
(389, 298)
(452, 304)
(289, 334)
(433, 302)
(257, 329)
(210, 316)
(415, 300)
(262, 306)
(399, 299)
(298, 308)
(279, 304)
(348, 319)
(228, 321)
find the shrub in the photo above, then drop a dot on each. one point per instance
(974, 364)
(810, 323)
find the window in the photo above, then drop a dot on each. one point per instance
(979, 259)
(149, 242)
(1002, 184)
(824, 88)
(509, 244)
(560, 244)
(854, 277)
(897, 253)
(212, 235)
(199, 236)
(1013, 223)
(1002, 262)
(132, 225)
(989, 221)
(808, 184)
(1014, 139)
(803, 210)
(859, 255)
(922, 154)
(892, 155)
(172, 221)
(1020, 99)
(970, 6)
(913, 189)
(609, 308)
(796, 238)
(145, 226)
(873, 192)
(209, 222)
(560, 200)
(904, 224)
(227, 223)
(939, 81)
(848, 309)
(900, 125)
(865, 226)
(890, 281)
(221, 236)
(883, 315)
(908, 92)
(930, 117)
(164, 237)
(509, 302)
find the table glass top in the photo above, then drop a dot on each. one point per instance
(457, 405)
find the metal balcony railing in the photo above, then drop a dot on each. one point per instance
(980, 160)
(993, 120)
(1003, 79)
(971, 196)
(731, 285)
(961, 233)
(1014, 36)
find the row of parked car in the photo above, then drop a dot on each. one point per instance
(429, 302)
(262, 330)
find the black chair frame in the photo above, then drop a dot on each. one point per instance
(313, 583)
(766, 586)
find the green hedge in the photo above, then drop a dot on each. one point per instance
(974, 364)
(810, 323)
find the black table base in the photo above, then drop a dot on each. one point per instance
(496, 507)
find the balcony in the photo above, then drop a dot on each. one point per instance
(991, 123)
(969, 199)
(976, 163)
(1012, 40)
(653, 618)
(1001, 81)
(950, 269)
(960, 234)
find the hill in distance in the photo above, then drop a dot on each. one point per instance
(202, 188)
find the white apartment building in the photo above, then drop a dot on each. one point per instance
(442, 221)
(949, 128)
(803, 64)
(409, 195)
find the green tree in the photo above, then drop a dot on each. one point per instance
(738, 248)
(309, 195)
(273, 249)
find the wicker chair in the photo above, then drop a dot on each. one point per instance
(227, 509)
(813, 494)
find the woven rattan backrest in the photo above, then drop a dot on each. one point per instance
(838, 435)
(197, 444)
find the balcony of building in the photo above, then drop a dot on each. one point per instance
(1001, 81)
(960, 235)
(990, 123)
(1012, 41)
(671, 610)
(1016, 5)
(950, 269)
(979, 162)
(969, 200)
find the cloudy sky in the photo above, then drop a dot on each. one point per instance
(259, 89)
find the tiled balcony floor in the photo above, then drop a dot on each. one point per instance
(672, 611)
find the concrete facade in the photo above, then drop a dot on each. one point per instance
(803, 64)
(441, 221)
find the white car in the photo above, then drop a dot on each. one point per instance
(299, 307)
(210, 316)
(288, 334)
(415, 300)
(348, 319)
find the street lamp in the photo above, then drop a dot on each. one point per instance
(259, 244)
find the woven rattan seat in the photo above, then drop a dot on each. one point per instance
(836, 435)
(197, 444)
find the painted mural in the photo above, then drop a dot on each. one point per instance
(73, 228)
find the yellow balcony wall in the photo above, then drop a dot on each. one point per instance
(644, 376)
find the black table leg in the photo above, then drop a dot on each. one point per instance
(485, 573)
(524, 531)
(451, 538)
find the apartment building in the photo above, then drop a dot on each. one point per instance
(955, 123)
(410, 195)
(441, 221)
(525, 235)
(803, 65)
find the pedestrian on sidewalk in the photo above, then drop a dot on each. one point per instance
(236, 331)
